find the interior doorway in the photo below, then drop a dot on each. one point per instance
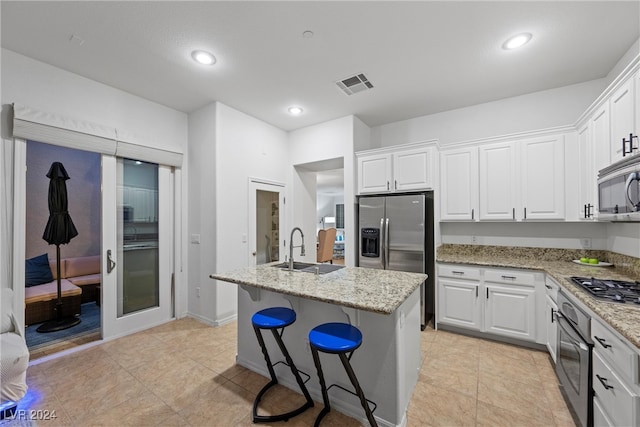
(81, 255)
(330, 207)
(265, 219)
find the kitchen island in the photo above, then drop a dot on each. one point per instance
(384, 305)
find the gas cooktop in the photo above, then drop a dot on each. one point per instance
(610, 290)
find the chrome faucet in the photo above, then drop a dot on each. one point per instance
(291, 246)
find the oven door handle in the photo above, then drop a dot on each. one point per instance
(574, 338)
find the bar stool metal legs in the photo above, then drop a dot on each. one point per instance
(341, 339)
(276, 319)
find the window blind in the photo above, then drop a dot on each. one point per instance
(50, 128)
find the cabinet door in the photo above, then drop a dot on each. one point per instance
(498, 181)
(459, 184)
(510, 311)
(600, 127)
(374, 174)
(542, 174)
(458, 303)
(587, 176)
(413, 169)
(552, 328)
(622, 119)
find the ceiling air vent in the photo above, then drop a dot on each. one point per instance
(354, 84)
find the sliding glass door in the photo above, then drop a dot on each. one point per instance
(137, 244)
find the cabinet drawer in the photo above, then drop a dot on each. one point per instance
(510, 277)
(615, 399)
(615, 351)
(458, 272)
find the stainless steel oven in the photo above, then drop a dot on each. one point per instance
(573, 366)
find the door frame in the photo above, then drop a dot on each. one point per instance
(255, 185)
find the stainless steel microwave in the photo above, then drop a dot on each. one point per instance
(619, 191)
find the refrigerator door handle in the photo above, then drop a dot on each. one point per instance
(386, 244)
(383, 234)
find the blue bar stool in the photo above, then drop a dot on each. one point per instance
(341, 339)
(276, 319)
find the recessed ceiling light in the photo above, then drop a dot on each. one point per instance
(296, 111)
(517, 41)
(203, 57)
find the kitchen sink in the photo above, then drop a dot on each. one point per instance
(307, 267)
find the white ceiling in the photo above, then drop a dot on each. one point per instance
(422, 57)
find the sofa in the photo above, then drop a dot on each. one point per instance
(14, 357)
(80, 283)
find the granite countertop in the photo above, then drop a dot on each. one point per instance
(624, 318)
(378, 291)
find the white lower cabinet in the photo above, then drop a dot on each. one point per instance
(616, 382)
(458, 303)
(497, 301)
(510, 311)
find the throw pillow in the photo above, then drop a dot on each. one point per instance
(37, 270)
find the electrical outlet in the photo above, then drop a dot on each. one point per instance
(198, 292)
(474, 239)
(585, 243)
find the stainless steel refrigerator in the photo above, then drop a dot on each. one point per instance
(396, 233)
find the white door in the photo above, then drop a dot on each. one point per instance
(137, 245)
(510, 311)
(413, 169)
(458, 303)
(498, 181)
(542, 178)
(266, 216)
(374, 173)
(459, 184)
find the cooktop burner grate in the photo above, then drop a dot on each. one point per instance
(610, 290)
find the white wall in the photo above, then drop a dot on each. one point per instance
(47, 88)
(226, 148)
(314, 144)
(539, 110)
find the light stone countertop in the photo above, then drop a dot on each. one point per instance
(378, 291)
(624, 318)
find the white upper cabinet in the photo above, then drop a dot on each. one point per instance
(587, 200)
(600, 127)
(413, 169)
(374, 173)
(522, 180)
(542, 173)
(459, 184)
(498, 183)
(623, 121)
(408, 168)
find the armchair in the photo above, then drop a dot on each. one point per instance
(326, 239)
(14, 358)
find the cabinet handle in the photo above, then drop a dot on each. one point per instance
(472, 213)
(547, 286)
(458, 272)
(525, 213)
(552, 315)
(586, 215)
(476, 292)
(604, 382)
(387, 185)
(631, 147)
(395, 184)
(487, 293)
(514, 213)
(509, 277)
(602, 342)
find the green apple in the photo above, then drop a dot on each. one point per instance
(584, 259)
(593, 261)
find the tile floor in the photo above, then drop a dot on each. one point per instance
(183, 374)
